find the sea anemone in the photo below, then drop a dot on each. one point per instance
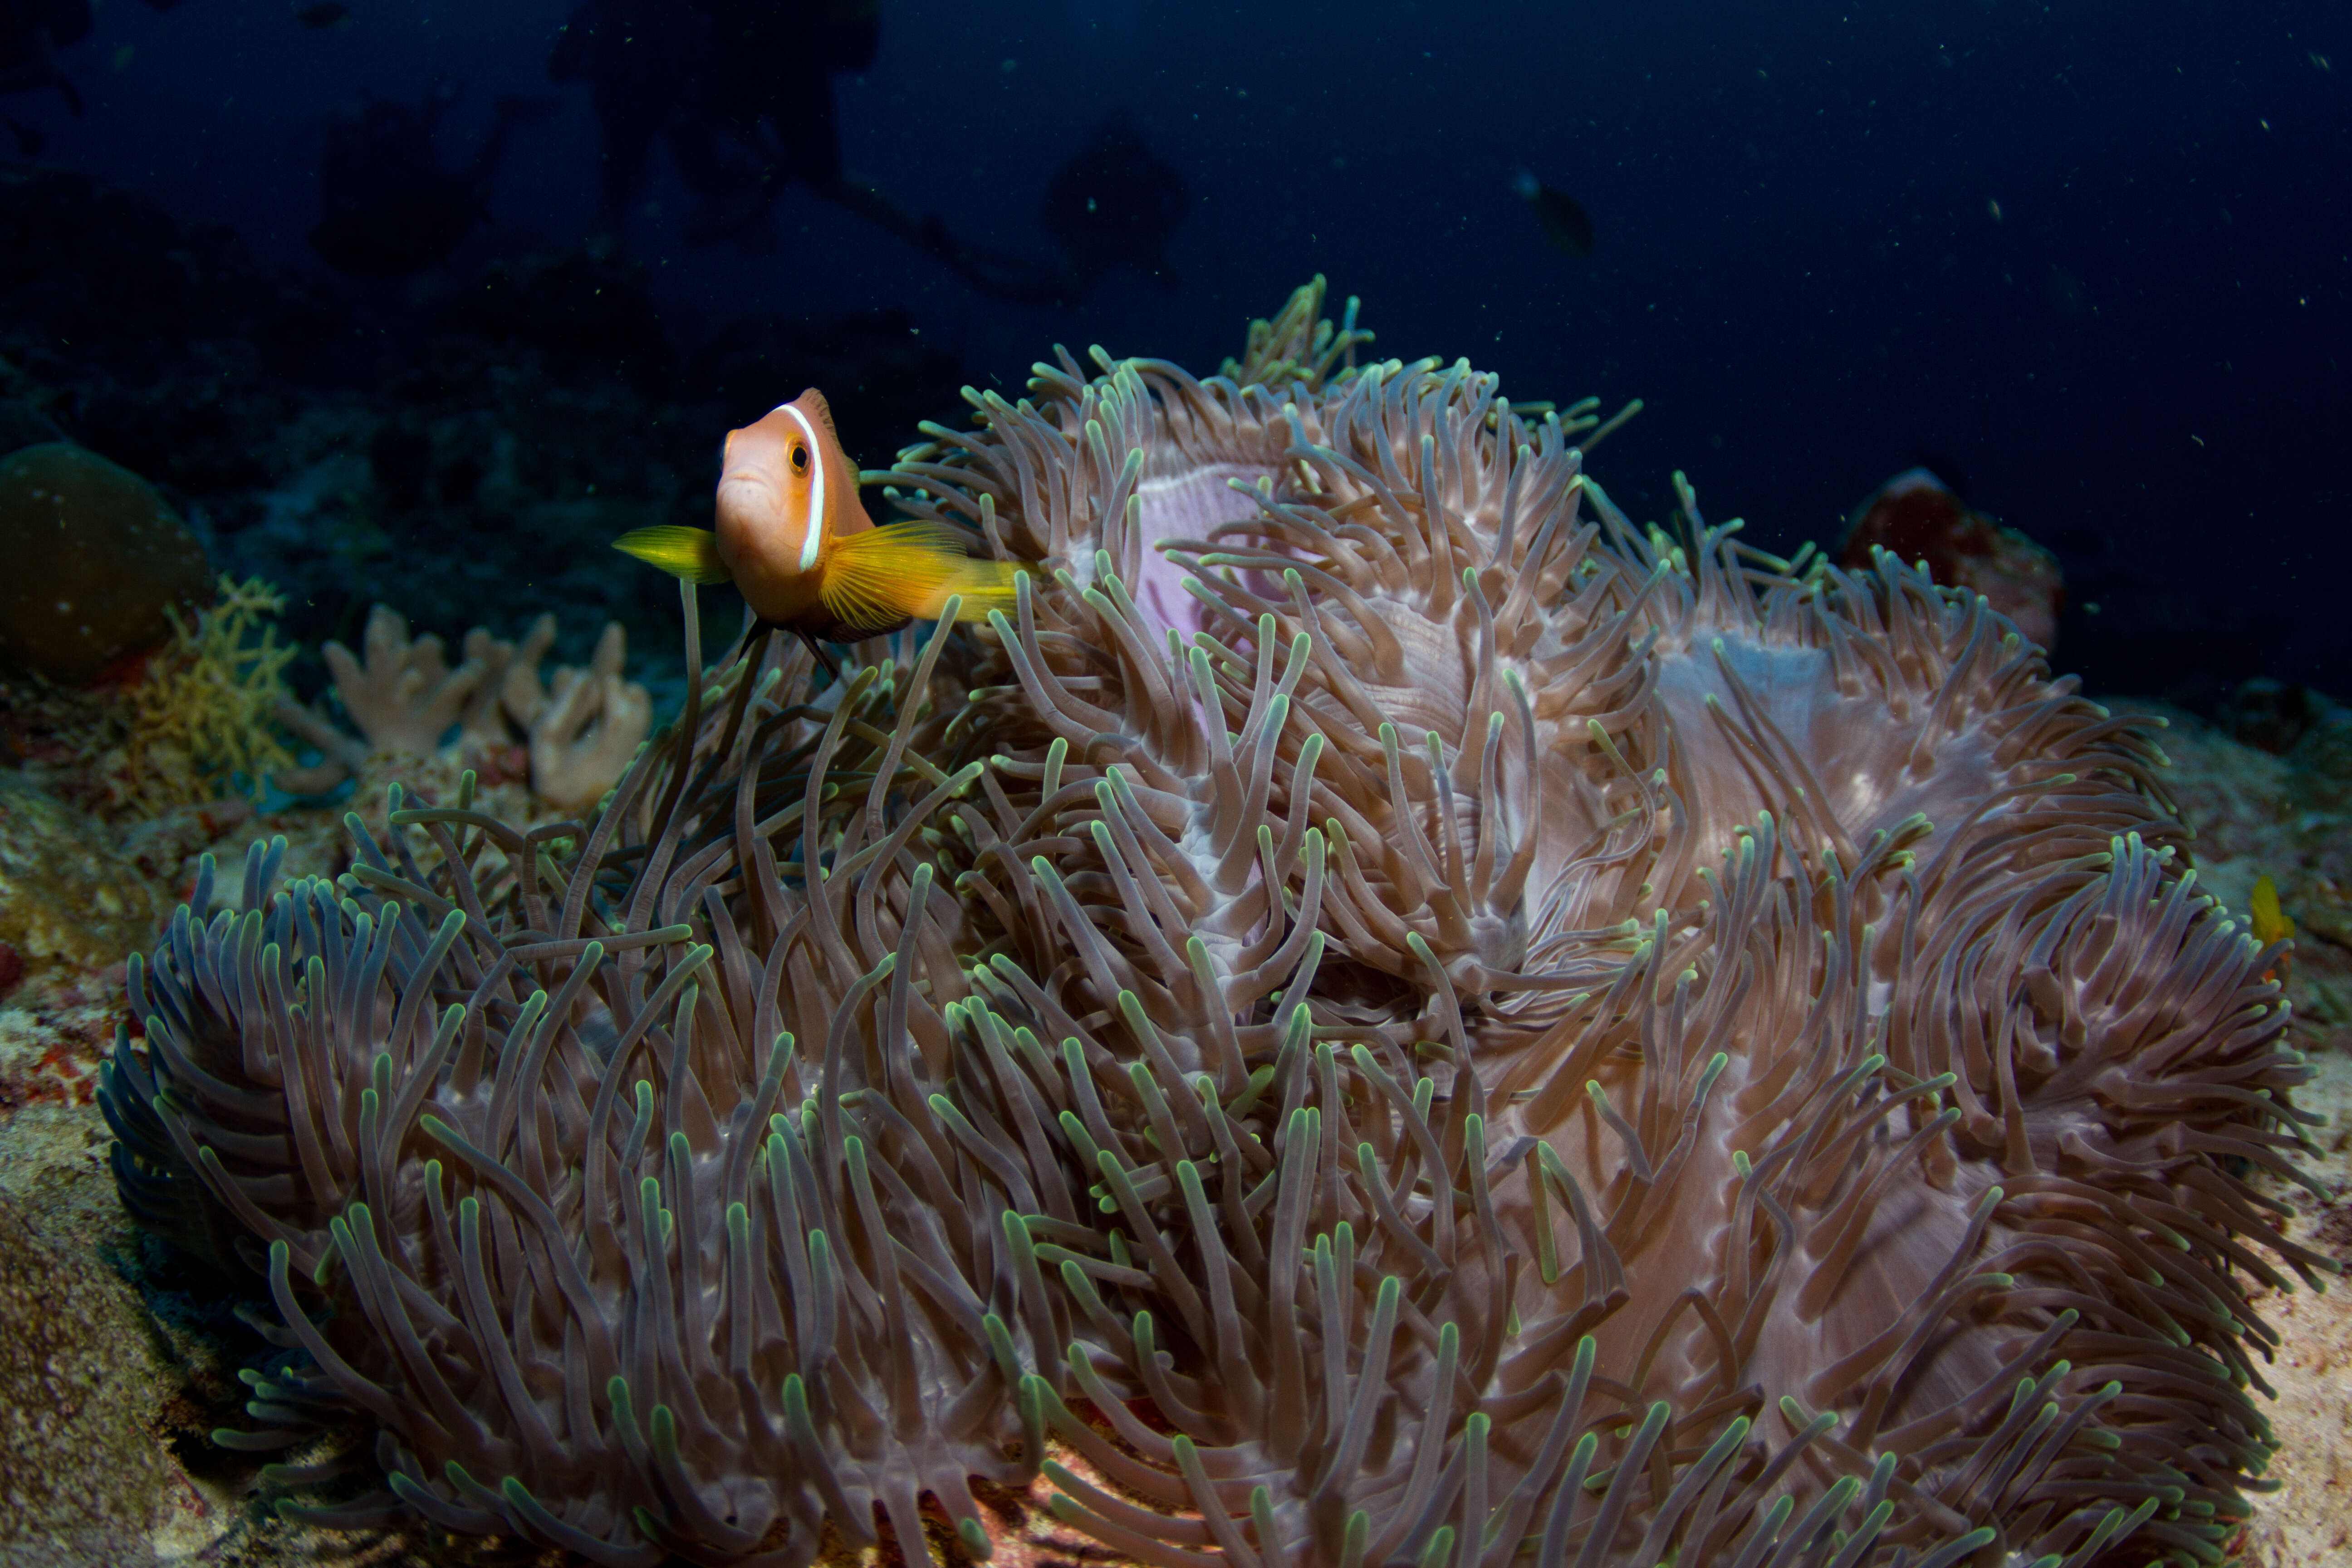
(1430, 1026)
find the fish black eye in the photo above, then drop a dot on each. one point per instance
(800, 459)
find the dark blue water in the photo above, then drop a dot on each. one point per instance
(2092, 258)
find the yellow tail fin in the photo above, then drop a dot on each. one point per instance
(881, 578)
(688, 552)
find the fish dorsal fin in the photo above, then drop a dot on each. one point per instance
(821, 411)
(844, 513)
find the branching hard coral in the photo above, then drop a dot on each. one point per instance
(400, 693)
(586, 729)
(1449, 1028)
(481, 723)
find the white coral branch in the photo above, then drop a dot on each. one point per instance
(585, 731)
(519, 688)
(404, 697)
(482, 724)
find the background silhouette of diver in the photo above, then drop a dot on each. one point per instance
(388, 206)
(740, 93)
(31, 32)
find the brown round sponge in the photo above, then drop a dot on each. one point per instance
(93, 558)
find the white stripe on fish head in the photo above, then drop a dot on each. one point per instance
(813, 535)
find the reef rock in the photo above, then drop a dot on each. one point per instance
(65, 892)
(23, 424)
(1916, 515)
(82, 1481)
(95, 559)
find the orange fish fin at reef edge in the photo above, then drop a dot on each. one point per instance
(881, 578)
(688, 552)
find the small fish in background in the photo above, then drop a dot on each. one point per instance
(389, 207)
(1115, 203)
(2271, 923)
(324, 15)
(795, 541)
(1565, 222)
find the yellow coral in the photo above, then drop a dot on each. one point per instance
(201, 724)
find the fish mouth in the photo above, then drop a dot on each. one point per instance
(752, 523)
(748, 498)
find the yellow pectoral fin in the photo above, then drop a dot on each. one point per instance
(688, 552)
(881, 578)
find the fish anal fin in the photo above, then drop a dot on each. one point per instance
(688, 552)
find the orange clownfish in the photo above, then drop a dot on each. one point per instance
(795, 540)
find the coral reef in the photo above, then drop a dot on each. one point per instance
(1393, 1019)
(66, 890)
(586, 729)
(201, 724)
(2273, 717)
(571, 741)
(2288, 818)
(2304, 1523)
(1917, 517)
(191, 723)
(98, 564)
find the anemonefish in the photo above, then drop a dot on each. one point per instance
(2270, 921)
(793, 537)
